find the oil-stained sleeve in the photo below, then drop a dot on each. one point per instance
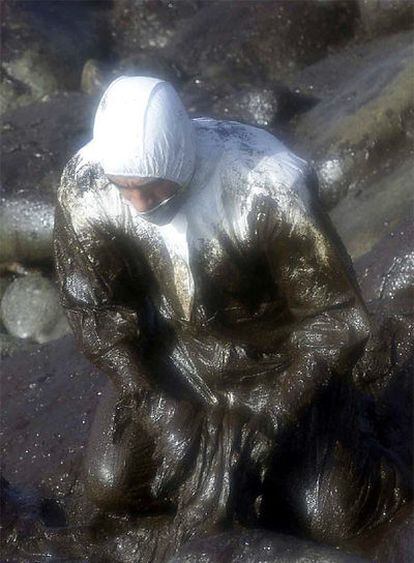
(92, 276)
(313, 273)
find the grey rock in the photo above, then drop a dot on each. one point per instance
(37, 85)
(365, 215)
(387, 270)
(4, 284)
(92, 78)
(363, 122)
(30, 308)
(265, 40)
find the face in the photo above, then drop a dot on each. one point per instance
(144, 195)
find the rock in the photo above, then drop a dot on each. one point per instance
(384, 16)
(4, 284)
(366, 214)
(363, 123)
(20, 86)
(213, 41)
(35, 150)
(254, 546)
(30, 308)
(39, 36)
(266, 40)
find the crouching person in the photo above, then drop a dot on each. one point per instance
(199, 271)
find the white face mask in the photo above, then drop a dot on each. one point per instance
(165, 211)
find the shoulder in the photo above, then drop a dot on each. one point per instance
(81, 177)
(262, 166)
(236, 140)
(85, 194)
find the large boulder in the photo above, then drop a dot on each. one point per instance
(363, 122)
(366, 214)
(246, 42)
(259, 39)
(37, 141)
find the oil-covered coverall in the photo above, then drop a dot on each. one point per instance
(228, 321)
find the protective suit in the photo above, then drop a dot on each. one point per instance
(229, 321)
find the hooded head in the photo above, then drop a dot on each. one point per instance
(142, 130)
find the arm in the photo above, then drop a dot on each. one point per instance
(314, 275)
(93, 281)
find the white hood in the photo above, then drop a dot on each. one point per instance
(142, 129)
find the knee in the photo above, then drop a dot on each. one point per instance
(105, 489)
(328, 503)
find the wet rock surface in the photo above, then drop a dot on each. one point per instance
(363, 122)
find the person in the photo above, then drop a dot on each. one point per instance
(199, 270)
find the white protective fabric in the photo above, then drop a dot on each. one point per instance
(142, 129)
